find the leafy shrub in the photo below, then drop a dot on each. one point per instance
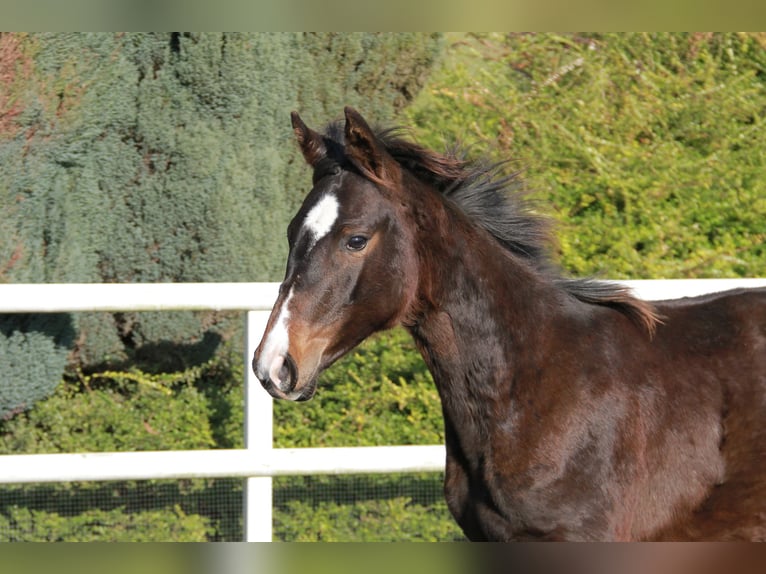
(648, 148)
(386, 508)
(198, 408)
(33, 354)
(25, 525)
(381, 393)
(113, 412)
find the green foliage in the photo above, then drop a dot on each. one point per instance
(647, 147)
(180, 144)
(169, 157)
(131, 412)
(33, 354)
(392, 508)
(107, 411)
(112, 411)
(381, 393)
(104, 525)
(155, 510)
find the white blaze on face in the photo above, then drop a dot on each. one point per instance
(276, 345)
(321, 218)
(318, 223)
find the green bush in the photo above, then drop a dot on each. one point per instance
(33, 354)
(390, 508)
(198, 408)
(27, 525)
(112, 411)
(648, 148)
(380, 394)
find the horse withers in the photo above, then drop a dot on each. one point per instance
(572, 410)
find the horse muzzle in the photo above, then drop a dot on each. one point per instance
(280, 378)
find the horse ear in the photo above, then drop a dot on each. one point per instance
(364, 148)
(311, 143)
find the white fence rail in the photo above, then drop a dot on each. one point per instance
(258, 461)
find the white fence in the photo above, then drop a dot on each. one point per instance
(258, 461)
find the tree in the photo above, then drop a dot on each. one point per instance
(168, 157)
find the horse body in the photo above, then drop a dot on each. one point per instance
(572, 411)
(570, 423)
(570, 437)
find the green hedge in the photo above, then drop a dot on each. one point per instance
(647, 148)
(380, 394)
(198, 408)
(25, 525)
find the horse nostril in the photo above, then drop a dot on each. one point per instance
(277, 370)
(278, 375)
(282, 373)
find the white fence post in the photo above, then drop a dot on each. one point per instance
(257, 519)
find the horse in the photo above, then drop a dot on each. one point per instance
(572, 409)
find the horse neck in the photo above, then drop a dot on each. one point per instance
(474, 313)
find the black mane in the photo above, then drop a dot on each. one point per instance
(497, 202)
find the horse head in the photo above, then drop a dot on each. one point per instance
(349, 269)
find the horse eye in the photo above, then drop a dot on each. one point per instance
(356, 243)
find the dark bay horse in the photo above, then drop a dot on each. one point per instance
(572, 410)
